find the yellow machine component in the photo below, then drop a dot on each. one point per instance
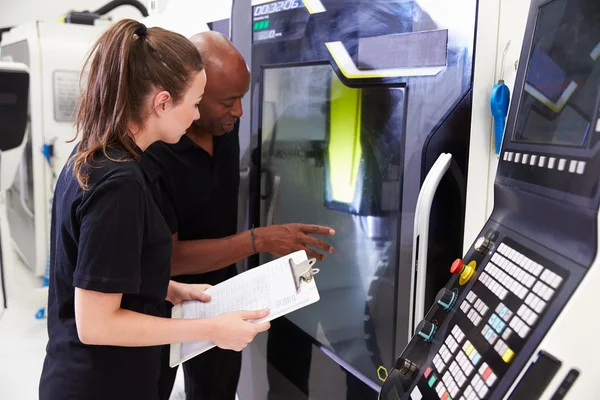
(468, 272)
(382, 373)
(344, 150)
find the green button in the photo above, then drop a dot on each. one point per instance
(432, 381)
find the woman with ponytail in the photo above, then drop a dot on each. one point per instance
(110, 244)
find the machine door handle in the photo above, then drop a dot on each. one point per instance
(421, 239)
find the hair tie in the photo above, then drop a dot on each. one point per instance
(141, 31)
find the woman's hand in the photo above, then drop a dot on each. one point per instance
(234, 332)
(179, 292)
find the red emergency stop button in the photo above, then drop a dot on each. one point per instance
(457, 266)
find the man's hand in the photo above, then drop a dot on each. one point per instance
(179, 292)
(281, 240)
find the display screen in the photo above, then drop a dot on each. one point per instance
(331, 156)
(278, 20)
(277, 6)
(563, 74)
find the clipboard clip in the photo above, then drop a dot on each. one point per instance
(303, 271)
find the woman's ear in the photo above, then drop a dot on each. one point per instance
(162, 101)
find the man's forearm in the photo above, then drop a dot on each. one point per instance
(200, 256)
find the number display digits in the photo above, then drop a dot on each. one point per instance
(275, 7)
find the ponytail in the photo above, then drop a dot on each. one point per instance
(125, 64)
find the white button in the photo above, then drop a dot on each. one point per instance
(521, 292)
(532, 318)
(519, 258)
(502, 294)
(598, 125)
(453, 389)
(511, 252)
(529, 299)
(483, 368)
(580, 167)
(461, 379)
(547, 295)
(510, 157)
(561, 164)
(520, 275)
(551, 162)
(524, 331)
(518, 157)
(483, 391)
(455, 330)
(469, 368)
(502, 248)
(525, 158)
(533, 159)
(522, 310)
(545, 275)
(505, 156)
(556, 281)
(527, 264)
(539, 307)
(537, 268)
(491, 379)
(529, 281)
(542, 162)
(477, 320)
(572, 166)
(506, 334)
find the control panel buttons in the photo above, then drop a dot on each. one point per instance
(426, 330)
(465, 271)
(446, 298)
(482, 245)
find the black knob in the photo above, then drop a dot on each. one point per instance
(482, 245)
(446, 298)
(426, 330)
(405, 367)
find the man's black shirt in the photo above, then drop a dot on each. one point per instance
(202, 191)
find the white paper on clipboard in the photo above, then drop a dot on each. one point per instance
(275, 285)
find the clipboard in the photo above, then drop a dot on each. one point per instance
(283, 285)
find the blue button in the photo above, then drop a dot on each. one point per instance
(476, 359)
(488, 335)
(500, 327)
(503, 311)
(493, 320)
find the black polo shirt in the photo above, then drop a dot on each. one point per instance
(111, 239)
(203, 192)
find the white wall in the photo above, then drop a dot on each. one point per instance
(14, 12)
(499, 21)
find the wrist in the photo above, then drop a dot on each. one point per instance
(208, 328)
(260, 242)
(172, 291)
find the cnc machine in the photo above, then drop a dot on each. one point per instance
(514, 321)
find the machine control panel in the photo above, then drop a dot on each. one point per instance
(482, 320)
(497, 317)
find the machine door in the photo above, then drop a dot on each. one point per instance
(332, 155)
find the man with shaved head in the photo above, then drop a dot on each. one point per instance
(199, 177)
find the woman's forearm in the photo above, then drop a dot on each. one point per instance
(101, 321)
(132, 329)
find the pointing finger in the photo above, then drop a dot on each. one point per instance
(317, 230)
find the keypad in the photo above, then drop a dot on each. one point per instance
(522, 289)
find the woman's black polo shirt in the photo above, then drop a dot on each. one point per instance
(201, 193)
(112, 239)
